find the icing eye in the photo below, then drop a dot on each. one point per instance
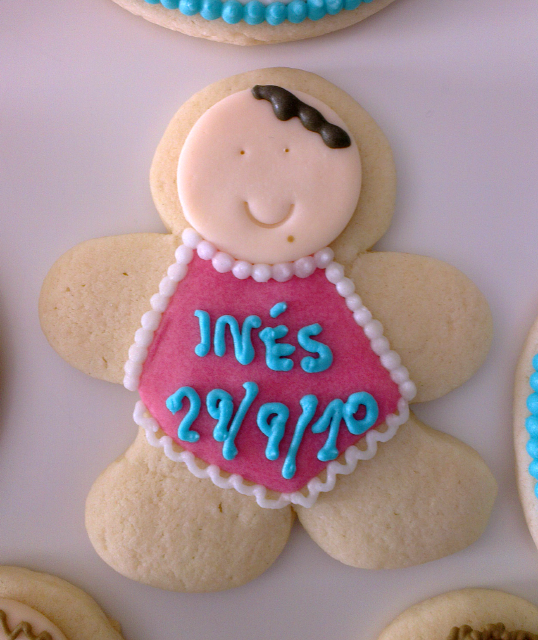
(286, 150)
(242, 152)
(291, 238)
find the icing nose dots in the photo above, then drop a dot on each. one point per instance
(269, 176)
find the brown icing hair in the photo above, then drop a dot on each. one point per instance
(287, 106)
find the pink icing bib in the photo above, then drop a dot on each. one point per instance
(172, 364)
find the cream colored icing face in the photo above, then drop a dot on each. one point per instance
(262, 189)
(18, 612)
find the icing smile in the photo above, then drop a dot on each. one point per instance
(263, 224)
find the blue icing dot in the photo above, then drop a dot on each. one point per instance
(535, 362)
(232, 11)
(532, 447)
(211, 9)
(533, 381)
(189, 7)
(316, 9)
(170, 4)
(334, 6)
(533, 469)
(532, 403)
(277, 309)
(254, 12)
(276, 13)
(531, 423)
(153, 1)
(351, 4)
(297, 11)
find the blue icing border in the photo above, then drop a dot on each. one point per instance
(531, 423)
(254, 12)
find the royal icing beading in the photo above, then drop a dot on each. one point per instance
(253, 12)
(531, 423)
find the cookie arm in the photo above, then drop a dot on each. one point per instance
(433, 315)
(95, 294)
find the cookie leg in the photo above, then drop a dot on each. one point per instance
(424, 496)
(153, 521)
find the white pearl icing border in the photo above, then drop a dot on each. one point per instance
(281, 272)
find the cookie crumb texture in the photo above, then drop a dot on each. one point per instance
(247, 34)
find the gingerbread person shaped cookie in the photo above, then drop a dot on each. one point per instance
(277, 357)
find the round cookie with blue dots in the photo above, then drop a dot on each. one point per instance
(248, 22)
(526, 429)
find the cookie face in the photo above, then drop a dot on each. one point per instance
(269, 179)
(526, 429)
(476, 613)
(249, 22)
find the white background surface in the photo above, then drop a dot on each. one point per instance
(87, 90)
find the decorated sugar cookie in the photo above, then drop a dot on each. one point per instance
(526, 430)
(274, 357)
(477, 614)
(248, 22)
(38, 606)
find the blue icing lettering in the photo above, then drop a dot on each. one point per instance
(229, 450)
(244, 351)
(274, 351)
(325, 359)
(272, 418)
(220, 406)
(356, 400)
(202, 349)
(175, 402)
(277, 309)
(273, 429)
(309, 405)
(331, 416)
